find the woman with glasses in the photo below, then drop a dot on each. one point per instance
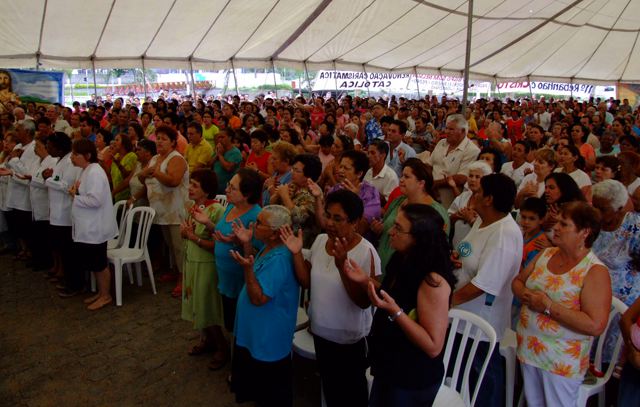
(339, 311)
(410, 325)
(243, 195)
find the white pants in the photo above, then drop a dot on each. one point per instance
(546, 389)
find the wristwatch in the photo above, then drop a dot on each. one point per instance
(395, 316)
(547, 310)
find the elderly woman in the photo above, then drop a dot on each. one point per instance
(416, 186)
(243, 194)
(122, 166)
(297, 197)
(618, 244)
(407, 339)
(340, 312)
(145, 151)
(266, 314)
(461, 214)
(532, 185)
(93, 222)
(566, 297)
(201, 301)
(281, 160)
(166, 180)
(341, 144)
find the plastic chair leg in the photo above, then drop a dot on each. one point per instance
(147, 261)
(128, 267)
(117, 271)
(93, 282)
(510, 364)
(139, 274)
(601, 398)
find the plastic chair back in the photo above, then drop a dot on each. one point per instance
(222, 199)
(121, 209)
(618, 308)
(137, 239)
(472, 327)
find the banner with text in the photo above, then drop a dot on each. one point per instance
(577, 90)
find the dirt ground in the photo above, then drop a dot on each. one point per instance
(53, 352)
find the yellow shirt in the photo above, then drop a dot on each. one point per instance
(198, 156)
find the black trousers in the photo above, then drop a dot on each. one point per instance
(229, 306)
(41, 248)
(342, 372)
(268, 384)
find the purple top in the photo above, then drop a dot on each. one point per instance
(370, 198)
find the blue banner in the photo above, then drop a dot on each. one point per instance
(21, 86)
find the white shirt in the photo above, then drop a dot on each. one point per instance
(516, 174)
(26, 164)
(532, 178)
(544, 120)
(633, 186)
(332, 314)
(455, 162)
(580, 177)
(63, 126)
(92, 217)
(38, 191)
(385, 182)
(491, 259)
(64, 176)
(460, 228)
(4, 189)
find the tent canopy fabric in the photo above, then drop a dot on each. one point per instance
(561, 40)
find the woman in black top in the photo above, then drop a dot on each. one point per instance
(409, 328)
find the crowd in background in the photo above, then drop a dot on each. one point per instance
(524, 212)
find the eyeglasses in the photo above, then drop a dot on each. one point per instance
(396, 228)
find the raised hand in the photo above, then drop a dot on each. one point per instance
(292, 241)
(243, 234)
(314, 188)
(199, 215)
(353, 272)
(383, 301)
(349, 185)
(376, 226)
(223, 238)
(241, 260)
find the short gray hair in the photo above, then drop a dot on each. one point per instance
(460, 121)
(277, 216)
(613, 191)
(352, 126)
(480, 165)
(29, 126)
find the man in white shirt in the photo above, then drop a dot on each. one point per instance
(58, 124)
(380, 175)
(518, 167)
(451, 157)
(542, 117)
(490, 258)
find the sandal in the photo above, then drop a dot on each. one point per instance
(201, 348)
(217, 363)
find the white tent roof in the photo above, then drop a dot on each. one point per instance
(583, 40)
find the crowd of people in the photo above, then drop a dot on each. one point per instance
(378, 215)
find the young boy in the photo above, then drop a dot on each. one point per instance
(532, 213)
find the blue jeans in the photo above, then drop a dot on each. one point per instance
(492, 389)
(629, 392)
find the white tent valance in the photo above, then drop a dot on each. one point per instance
(551, 40)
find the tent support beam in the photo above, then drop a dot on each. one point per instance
(530, 91)
(467, 57)
(193, 82)
(235, 79)
(305, 24)
(144, 79)
(364, 69)
(415, 73)
(335, 78)
(306, 74)
(275, 84)
(95, 85)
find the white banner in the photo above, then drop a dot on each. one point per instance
(578, 90)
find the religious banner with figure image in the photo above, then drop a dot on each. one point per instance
(21, 86)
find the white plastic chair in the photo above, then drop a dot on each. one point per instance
(588, 390)
(222, 199)
(507, 349)
(473, 327)
(133, 251)
(303, 345)
(302, 319)
(120, 210)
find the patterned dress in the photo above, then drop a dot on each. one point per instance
(542, 341)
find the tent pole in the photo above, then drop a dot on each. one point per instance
(193, 82)
(275, 84)
(95, 86)
(335, 78)
(415, 72)
(306, 74)
(444, 91)
(467, 57)
(235, 80)
(530, 91)
(367, 75)
(144, 80)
